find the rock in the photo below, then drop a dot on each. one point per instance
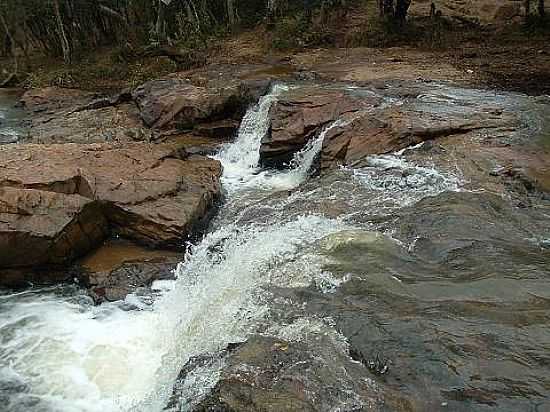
(50, 99)
(39, 227)
(119, 267)
(57, 198)
(394, 129)
(366, 126)
(174, 103)
(106, 124)
(300, 116)
(127, 278)
(466, 228)
(262, 374)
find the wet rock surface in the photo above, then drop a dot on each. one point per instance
(300, 116)
(270, 374)
(413, 278)
(119, 267)
(129, 277)
(368, 122)
(440, 299)
(60, 195)
(439, 288)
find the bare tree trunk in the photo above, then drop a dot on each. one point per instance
(401, 10)
(542, 11)
(231, 15)
(159, 27)
(11, 40)
(65, 46)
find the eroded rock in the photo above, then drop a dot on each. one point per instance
(42, 227)
(56, 199)
(392, 130)
(178, 104)
(270, 374)
(300, 116)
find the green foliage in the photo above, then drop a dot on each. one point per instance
(289, 32)
(313, 27)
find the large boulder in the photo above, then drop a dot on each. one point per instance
(42, 227)
(177, 103)
(301, 115)
(154, 194)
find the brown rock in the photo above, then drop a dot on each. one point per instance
(175, 103)
(119, 267)
(300, 116)
(56, 199)
(54, 99)
(120, 124)
(395, 129)
(40, 227)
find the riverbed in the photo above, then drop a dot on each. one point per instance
(433, 286)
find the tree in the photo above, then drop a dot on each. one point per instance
(395, 10)
(65, 45)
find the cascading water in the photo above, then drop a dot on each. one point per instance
(458, 300)
(60, 353)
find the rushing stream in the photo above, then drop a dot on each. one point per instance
(346, 256)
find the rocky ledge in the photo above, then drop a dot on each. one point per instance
(89, 167)
(359, 125)
(58, 202)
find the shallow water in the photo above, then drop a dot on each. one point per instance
(11, 117)
(395, 259)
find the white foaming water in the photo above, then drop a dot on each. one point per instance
(61, 353)
(402, 183)
(240, 160)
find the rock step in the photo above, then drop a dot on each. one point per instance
(58, 202)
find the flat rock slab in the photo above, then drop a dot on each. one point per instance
(156, 195)
(119, 124)
(376, 118)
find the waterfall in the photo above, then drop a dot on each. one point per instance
(61, 353)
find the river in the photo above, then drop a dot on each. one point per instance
(10, 116)
(400, 258)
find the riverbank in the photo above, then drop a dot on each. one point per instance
(494, 53)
